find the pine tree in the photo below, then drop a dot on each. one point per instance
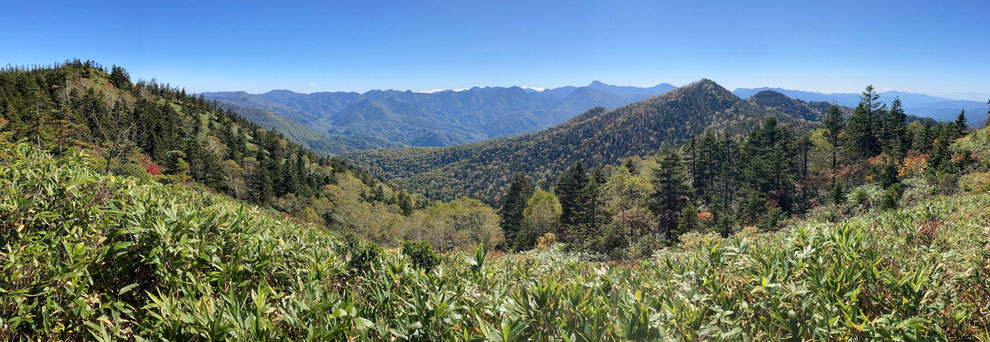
(769, 152)
(405, 203)
(960, 124)
(672, 190)
(863, 126)
(119, 78)
(290, 181)
(895, 130)
(688, 220)
(940, 160)
(693, 153)
(263, 187)
(925, 140)
(708, 166)
(569, 187)
(729, 172)
(889, 173)
(805, 147)
(591, 214)
(514, 206)
(378, 194)
(835, 122)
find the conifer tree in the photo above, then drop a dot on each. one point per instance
(889, 173)
(263, 187)
(769, 152)
(290, 181)
(378, 194)
(925, 140)
(940, 160)
(405, 203)
(708, 166)
(863, 125)
(672, 190)
(568, 191)
(591, 214)
(688, 220)
(835, 121)
(960, 124)
(805, 145)
(119, 78)
(693, 154)
(895, 130)
(514, 206)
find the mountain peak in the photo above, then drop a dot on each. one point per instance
(706, 81)
(769, 94)
(597, 84)
(703, 83)
(281, 92)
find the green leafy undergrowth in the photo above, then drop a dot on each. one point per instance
(86, 256)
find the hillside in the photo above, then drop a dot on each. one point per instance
(157, 133)
(111, 258)
(919, 105)
(813, 111)
(596, 137)
(320, 142)
(155, 130)
(440, 118)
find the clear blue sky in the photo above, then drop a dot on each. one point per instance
(935, 47)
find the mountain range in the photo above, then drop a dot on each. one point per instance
(348, 121)
(334, 123)
(596, 137)
(938, 108)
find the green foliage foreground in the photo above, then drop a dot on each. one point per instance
(87, 256)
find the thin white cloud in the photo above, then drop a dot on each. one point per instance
(312, 84)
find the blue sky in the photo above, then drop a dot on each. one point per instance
(934, 47)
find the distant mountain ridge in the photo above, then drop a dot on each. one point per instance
(812, 111)
(316, 141)
(922, 105)
(439, 118)
(596, 137)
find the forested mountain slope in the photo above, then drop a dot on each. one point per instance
(320, 142)
(158, 130)
(158, 133)
(918, 105)
(811, 110)
(596, 137)
(439, 118)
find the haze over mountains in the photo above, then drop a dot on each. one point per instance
(386, 118)
(938, 108)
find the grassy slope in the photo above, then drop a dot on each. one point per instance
(88, 256)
